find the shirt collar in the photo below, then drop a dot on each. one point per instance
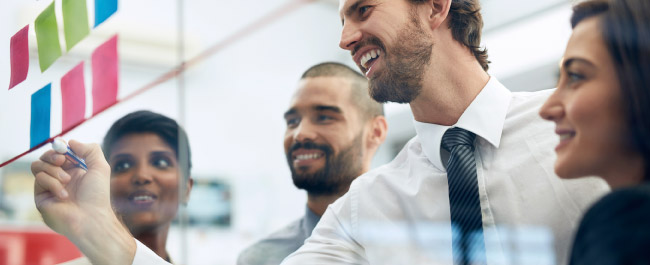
(484, 117)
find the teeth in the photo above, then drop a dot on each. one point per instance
(307, 156)
(365, 59)
(370, 55)
(565, 136)
(142, 198)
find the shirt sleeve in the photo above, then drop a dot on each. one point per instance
(145, 256)
(331, 242)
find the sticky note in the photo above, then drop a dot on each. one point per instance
(105, 75)
(75, 21)
(47, 37)
(40, 124)
(103, 10)
(19, 56)
(73, 97)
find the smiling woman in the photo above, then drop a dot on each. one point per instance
(601, 109)
(146, 152)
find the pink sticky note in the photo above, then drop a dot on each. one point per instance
(19, 57)
(105, 75)
(73, 97)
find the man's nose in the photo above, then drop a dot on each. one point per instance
(305, 131)
(350, 35)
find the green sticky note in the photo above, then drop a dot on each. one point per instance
(75, 21)
(47, 37)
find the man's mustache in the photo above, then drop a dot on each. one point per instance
(310, 145)
(368, 41)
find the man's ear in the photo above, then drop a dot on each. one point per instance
(437, 12)
(378, 127)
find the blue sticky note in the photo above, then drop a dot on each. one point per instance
(103, 10)
(40, 123)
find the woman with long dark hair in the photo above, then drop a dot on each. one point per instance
(602, 113)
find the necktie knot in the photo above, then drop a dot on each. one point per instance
(457, 136)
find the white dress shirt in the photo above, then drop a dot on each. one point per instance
(399, 213)
(146, 256)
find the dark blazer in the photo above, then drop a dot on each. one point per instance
(616, 230)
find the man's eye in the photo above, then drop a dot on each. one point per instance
(121, 166)
(292, 122)
(364, 9)
(161, 163)
(324, 118)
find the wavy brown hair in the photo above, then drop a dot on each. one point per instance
(466, 24)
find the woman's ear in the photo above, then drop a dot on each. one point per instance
(188, 190)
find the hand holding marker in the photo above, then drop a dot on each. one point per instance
(62, 148)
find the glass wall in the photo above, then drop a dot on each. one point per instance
(225, 70)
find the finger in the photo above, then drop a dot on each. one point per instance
(91, 153)
(58, 172)
(58, 159)
(53, 157)
(45, 183)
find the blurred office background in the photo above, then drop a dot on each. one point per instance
(231, 101)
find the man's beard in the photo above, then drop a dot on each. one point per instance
(401, 79)
(336, 175)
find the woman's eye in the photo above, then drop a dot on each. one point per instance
(574, 77)
(161, 163)
(121, 166)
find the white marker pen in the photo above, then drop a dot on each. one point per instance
(62, 148)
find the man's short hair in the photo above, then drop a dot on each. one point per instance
(466, 24)
(149, 122)
(359, 95)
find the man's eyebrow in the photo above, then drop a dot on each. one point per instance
(289, 112)
(348, 12)
(328, 108)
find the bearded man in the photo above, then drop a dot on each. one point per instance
(333, 131)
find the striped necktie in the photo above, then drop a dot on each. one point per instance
(468, 246)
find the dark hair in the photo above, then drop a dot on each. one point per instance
(466, 24)
(588, 9)
(149, 122)
(359, 94)
(626, 32)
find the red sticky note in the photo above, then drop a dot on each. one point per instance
(73, 97)
(19, 57)
(105, 78)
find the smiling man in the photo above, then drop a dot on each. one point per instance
(333, 131)
(476, 185)
(465, 190)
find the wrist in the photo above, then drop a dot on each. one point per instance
(106, 242)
